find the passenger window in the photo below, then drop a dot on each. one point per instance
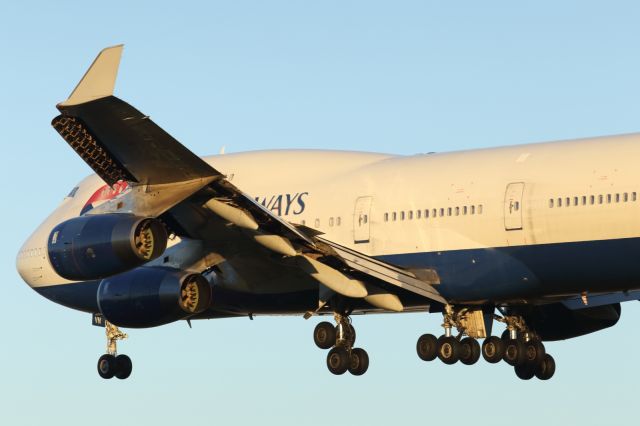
(625, 197)
(592, 199)
(473, 209)
(317, 223)
(426, 214)
(584, 200)
(516, 206)
(402, 215)
(559, 202)
(338, 220)
(633, 196)
(479, 208)
(464, 210)
(568, 202)
(550, 203)
(433, 213)
(386, 217)
(330, 221)
(393, 216)
(457, 211)
(441, 211)
(410, 214)
(418, 214)
(304, 222)
(575, 201)
(365, 218)
(600, 199)
(608, 198)
(449, 211)
(617, 198)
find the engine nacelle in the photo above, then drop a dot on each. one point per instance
(557, 322)
(152, 296)
(97, 246)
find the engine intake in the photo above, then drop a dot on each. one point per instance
(97, 246)
(152, 296)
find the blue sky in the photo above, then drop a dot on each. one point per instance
(400, 77)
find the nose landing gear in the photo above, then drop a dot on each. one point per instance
(111, 364)
(343, 356)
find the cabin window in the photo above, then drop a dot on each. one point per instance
(365, 218)
(418, 214)
(584, 200)
(317, 223)
(457, 211)
(516, 206)
(433, 213)
(633, 196)
(402, 215)
(449, 211)
(625, 197)
(568, 200)
(550, 203)
(426, 214)
(441, 211)
(575, 201)
(608, 198)
(600, 199)
(473, 209)
(330, 221)
(479, 208)
(410, 214)
(559, 202)
(617, 198)
(304, 222)
(393, 216)
(386, 217)
(592, 199)
(464, 210)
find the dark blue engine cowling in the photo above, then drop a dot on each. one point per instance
(97, 246)
(152, 296)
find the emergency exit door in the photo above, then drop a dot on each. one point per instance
(513, 206)
(362, 220)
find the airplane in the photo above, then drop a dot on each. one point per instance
(540, 237)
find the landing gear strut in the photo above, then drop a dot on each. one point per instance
(111, 364)
(343, 356)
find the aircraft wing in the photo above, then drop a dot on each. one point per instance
(120, 143)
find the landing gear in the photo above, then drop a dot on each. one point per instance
(341, 338)
(519, 346)
(110, 364)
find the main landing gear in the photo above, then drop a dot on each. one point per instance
(111, 364)
(343, 356)
(518, 346)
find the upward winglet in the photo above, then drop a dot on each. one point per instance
(100, 78)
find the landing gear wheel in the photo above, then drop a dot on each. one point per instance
(525, 371)
(324, 335)
(493, 349)
(123, 367)
(107, 366)
(535, 352)
(546, 368)
(515, 352)
(448, 349)
(338, 360)
(469, 351)
(358, 362)
(427, 347)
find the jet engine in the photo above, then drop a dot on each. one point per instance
(557, 322)
(97, 246)
(152, 296)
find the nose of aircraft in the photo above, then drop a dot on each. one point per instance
(31, 260)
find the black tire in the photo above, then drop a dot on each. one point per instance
(546, 369)
(535, 352)
(123, 367)
(338, 360)
(448, 349)
(493, 349)
(515, 352)
(469, 351)
(107, 366)
(427, 347)
(358, 362)
(525, 371)
(324, 335)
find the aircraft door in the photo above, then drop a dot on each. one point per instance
(362, 220)
(513, 206)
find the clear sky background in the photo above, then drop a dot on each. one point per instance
(398, 76)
